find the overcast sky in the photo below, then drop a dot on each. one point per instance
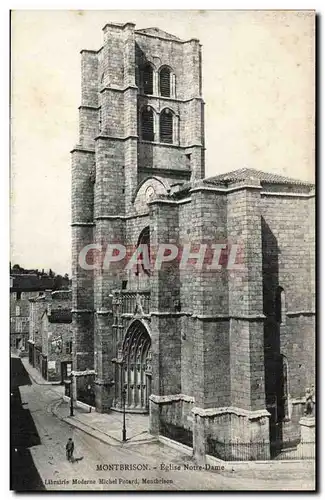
(258, 86)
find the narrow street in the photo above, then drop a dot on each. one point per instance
(38, 441)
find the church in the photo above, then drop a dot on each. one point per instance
(214, 354)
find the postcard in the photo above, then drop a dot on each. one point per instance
(162, 274)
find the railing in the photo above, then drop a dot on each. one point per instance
(263, 450)
(131, 301)
(184, 436)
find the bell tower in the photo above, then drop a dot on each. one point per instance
(141, 117)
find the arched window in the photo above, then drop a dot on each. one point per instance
(147, 79)
(147, 127)
(166, 126)
(164, 82)
(280, 306)
(144, 239)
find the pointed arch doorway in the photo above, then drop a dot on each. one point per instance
(135, 368)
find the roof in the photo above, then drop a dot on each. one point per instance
(30, 282)
(60, 316)
(248, 173)
(158, 32)
(62, 295)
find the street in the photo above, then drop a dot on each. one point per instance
(39, 462)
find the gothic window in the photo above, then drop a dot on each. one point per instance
(144, 239)
(280, 306)
(147, 127)
(166, 126)
(164, 82)
(147, 79)
(135, 376)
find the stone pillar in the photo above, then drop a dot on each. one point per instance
(246, 296)
(154, 422)
(198, 438)
(82, 204)
(165, 320)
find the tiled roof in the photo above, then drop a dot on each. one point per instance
(60, 316)
(247, 173)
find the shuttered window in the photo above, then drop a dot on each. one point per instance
(147, 79)
(164, 82)
(147, 132)
(166, 126)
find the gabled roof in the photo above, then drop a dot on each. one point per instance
(243, 174)
(60, 316)
(158, 32)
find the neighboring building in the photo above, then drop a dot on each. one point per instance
(56, 344)
(213, 356)
(37, 306)
(50, 336)
(23, 287)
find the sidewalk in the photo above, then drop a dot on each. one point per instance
(35, 374)
(106, 427)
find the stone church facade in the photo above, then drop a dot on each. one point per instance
(213, 355)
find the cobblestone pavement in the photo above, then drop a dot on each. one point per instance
(150, 460)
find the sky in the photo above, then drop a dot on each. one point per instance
(258, 88)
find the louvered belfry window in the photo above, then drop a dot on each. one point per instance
(164, 82)
(147, 131)
(166, 126)
(147, 79)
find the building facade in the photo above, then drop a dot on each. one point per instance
(56, 344)
(23, 287)
(50, 334)
(37, 306)
(212, 352)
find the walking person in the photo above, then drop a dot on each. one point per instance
(69, 449)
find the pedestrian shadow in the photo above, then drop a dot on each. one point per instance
(77, 459)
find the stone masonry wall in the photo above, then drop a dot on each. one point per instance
(289, 254)
(246, 300)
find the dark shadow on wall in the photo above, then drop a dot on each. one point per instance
(274, 372)
(23, 434)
